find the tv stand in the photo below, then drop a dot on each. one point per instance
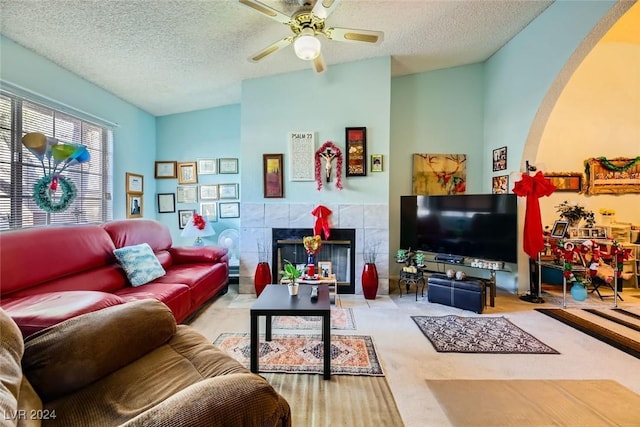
(441, 262)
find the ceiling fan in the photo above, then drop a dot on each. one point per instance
(306, 23)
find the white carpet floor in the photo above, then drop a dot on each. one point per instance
(408, 358)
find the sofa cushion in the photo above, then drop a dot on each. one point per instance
(176, 296)
(35, 312)
(140, 263)
(30, 257)
(129, 232)
(69, 356)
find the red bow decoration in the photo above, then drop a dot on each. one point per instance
(322, 221)
(198, 221)
(533, 187)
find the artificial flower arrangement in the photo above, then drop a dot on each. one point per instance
(198, 221)
(574, 212)
(607, 212)
(312, 244)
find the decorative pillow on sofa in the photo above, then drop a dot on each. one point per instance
(140, 263)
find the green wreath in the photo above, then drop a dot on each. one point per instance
(42, 196)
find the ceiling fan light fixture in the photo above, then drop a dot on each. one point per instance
(307, 46)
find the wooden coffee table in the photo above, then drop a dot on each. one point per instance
(276, 301)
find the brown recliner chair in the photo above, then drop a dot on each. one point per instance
(128, 365)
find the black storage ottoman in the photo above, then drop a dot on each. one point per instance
(468, 294)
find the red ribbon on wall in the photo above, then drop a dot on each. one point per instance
(322, 221)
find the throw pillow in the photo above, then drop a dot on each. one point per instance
(139, 263)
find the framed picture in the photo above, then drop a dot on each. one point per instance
(134, 205)
(500, 159)
(559, 229)
(229, 210)
(184, 215)
(500, 184)
(302, 156)
(134, 183)
(565, 181)
(228, 191)
(187, 194)
(209, 192)
(620, 175)
(166, 202)
(166, 170)
(187, 173)
(273, 183)
(324, 268)
(356, 148)
(207, 166)
(376, 163)
(209, 211)
(227, 165)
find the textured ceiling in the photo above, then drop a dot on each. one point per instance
(175, 56)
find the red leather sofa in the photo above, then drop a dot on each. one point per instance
(50, 274)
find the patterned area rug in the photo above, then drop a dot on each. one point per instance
(456, 334)
(350, 354)
(341, 318)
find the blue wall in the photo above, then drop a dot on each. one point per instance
(205, 134)
(134, 137)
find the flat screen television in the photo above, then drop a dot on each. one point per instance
(481, 226)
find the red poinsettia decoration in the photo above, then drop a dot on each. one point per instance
(198, 221)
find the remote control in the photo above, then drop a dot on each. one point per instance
(314, 294)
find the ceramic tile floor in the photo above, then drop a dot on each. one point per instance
(408, 358)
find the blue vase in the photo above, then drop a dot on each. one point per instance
(579, 291)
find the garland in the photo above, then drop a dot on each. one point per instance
(338, 154)
(46, 186)
(610, 166)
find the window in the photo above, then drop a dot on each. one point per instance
(20, 169)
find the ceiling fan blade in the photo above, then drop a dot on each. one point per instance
(319, 66)
(272, 48)
(353, 35)
(267, 11)
(323, 8)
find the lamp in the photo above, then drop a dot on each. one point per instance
(307, 46)
(197, 227)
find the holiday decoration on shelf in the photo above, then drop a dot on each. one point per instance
(54, 193)
(592, 253)
(328, 152)
(312, 244)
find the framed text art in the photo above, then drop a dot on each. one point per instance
(166, 169)
(134, 205)
(227, 165)
(356, 148)
(273, 183)
(187, 173)
(500, 159)
(612, 176)
(187, 194)
(184, 216)
(228, 191)
(229, 210)
(302, 152)
(207, 166)
(134, 183)
(209, 192)
(500, 184)
(565, 181)
(166, 202)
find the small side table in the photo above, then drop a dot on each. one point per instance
(409, 278)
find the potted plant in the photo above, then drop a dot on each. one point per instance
(262, 276)
(290, 273)
(574, 212)
(370, 271)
